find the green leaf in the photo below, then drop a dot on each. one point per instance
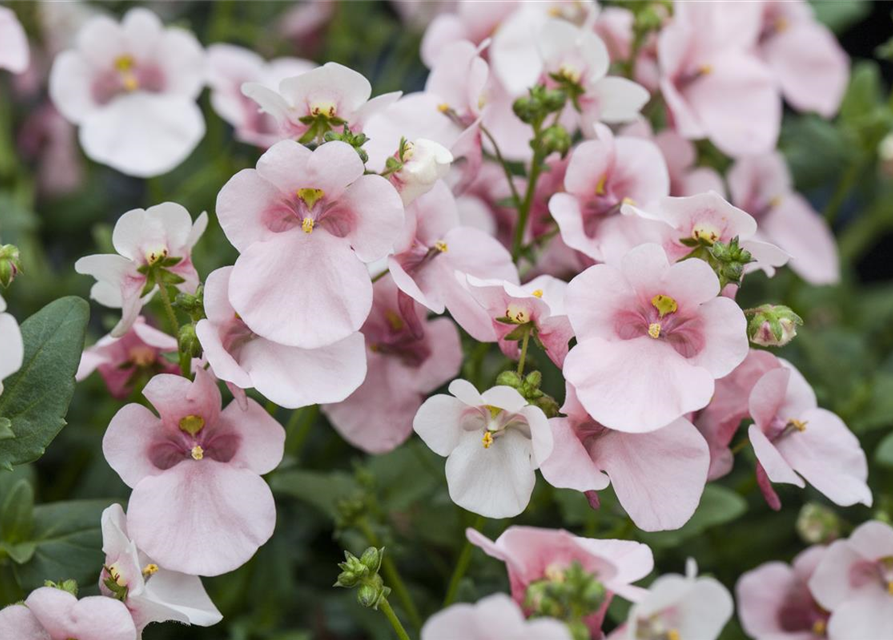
(840, 16)
(718, 506)
(322, 490)
(35, 399)
(17, 513)
(68, 543)
(884, 452)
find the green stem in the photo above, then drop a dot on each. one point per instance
(840, 193)
(169, 308)
(738, 448)
(524, 209)
(461, 565)
(392, 576)
(385, 607)
(505, 167)
(380, 276)
(523, 357)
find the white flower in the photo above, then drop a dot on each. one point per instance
(14, 52)
(424, 163)
(11, 348)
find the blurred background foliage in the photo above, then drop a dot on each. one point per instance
(330, 496)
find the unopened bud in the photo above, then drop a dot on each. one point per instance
(372, 593)
(509, 379)
(187, 341)
(193, 304)
(372, 558)
(10, 264)
(424, 162)
(772, 325)
(69, 586)
(556, 139)
(817, 524)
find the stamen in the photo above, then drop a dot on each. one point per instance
(781, 24)
(799, 425)
(142, 356)
(665, 305)
(704, 69)
(124, 63)
(441, 246)
(154, 255)
(629, 201)
(654, 330)
(600, 186)
(890, 587)
(488, 439)
(538, 293)
(130, 83)
(307, 225)
(775, 201)
(706, 233)
(311, 196)
(819, 627)
(150, 570)
(394, 320)
(197, 453)
(192, 424)
(673, 634)
(517, 313)
(443, 107)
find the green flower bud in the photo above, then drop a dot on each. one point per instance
(556, 139)
(70, 586)
(729, 260)
(534, 379)
(527, 109)
(187, 341)
(817, 524)
(372, 558)
(10, 264)
(352, 571)
(372, 593)
(772, 325)
(509, 379)
(192, 304)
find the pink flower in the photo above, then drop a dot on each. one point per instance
(762, 186)
(538, 304)
(121, 361)
(477, 622)
(854, 581)
(151, 593)
(289, 376)
(328, 97)
(775, 603)
(403, 369)
(229, 67)
(305, 222)
(658, 477)
(52, 614)
(198, 505)
(531, 554)
(679, 607)
(471, 21)
(603, 175)
(162, 235)
(652, 338)
(713, 83)
(493, 442)
(434, 254)
(809, 65)
(131, 87)
(794, 439)
(14, 52)
(12, 350)
(686, 178)
(49, 139)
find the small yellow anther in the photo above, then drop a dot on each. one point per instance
(124, 63)
(819, 627)
(629, 201)
(482, 101)
(600, 185)
(518, 314)
(142, 356)
(704, 69)
(192, 424)
(156, 255)
(673, 634)
(665, 305)
(130, 83)
(654, 330)
(538, 293)
(307, 225)
(441, 246)
(311, 196)
(197, 453)
(488, 439)
(775, 201)
(394, 320)
(799, 425)
(890, 587)
(781, 24)
(150, 570)
(443, 107)
(705, 232)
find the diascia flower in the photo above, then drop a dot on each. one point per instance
(477, 622)
(652, 338)
(407, 360)
(305, 222)
(150, 592)
(154, 246)
(199, 505)
(493, 442)
(289, 376)
(12, 350)
(53, 614)
(14, 52)
(131, 87)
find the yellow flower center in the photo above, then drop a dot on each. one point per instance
(704, 69)
(150, 570)
(665, 305)
(124, 65)
(311, 196)
(325, 109)
(494, 411)
(197, 453)
(307, 225)
(441, 246)
(818, 627)
(142, 356)
(705, 232)
(570, 73)
(192, 424)
(654, 330)
(518, 314)
(538, 293)
(673, 634)
(600, 186)
(156, 254)
(488, 439)
(443, 107)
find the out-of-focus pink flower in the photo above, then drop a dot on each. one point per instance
(403, 369)
(12, 350)
(420, 13)
(49, 138)
(795, 439)
(304, 24)
(305, 222)
(434, 255)
(679, 607)
(151, 593)
(52, 614)
(229, 67)
(199, 505)
(478, 621)
(143, 238)
(775, 603)
(713, 82)
(328, 97)
(538, 304)
(854, 581)
(762, 186)
(686, 178)
(424, 162)
(658, 476)
(472, 22)
(493, 442)
(531, 554)
(603, 175)
(14, 52)
(652, 338)
(131, 88)
(289, 376)
(121, 360)
(809, 65)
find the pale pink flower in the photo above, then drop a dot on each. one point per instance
(794, 440)
(143, 238)
(658, 477)
(652, 338)
(404, 367)
(305, 24)
(424, 163)
(473, 22)
(809, 65)
(14, 52)
(327, 97)
(435, 253)
(538, 304)
(121, 361)
(854, 581)
(151, 593)
(679, 607)
(305, 223)
(229, 67)
(686, 178)
(763, 187)
(51, 140)
(12, 349)
(712, 81)
(131, 88)
(199, 505)
(493, 442)
(775, 603)
(52, 614)
(603, 175)
(531, 554)
(478, 621)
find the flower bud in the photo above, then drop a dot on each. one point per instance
(372, 593)
(10, 264)
(187, 341)
(728, 261)
(556, 139)
(772, 325)
(817, 524)
(372, 558)
(70, 586)
(509, 379)
(353, 571)
(424, 162)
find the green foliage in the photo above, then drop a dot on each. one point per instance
(719, 506)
